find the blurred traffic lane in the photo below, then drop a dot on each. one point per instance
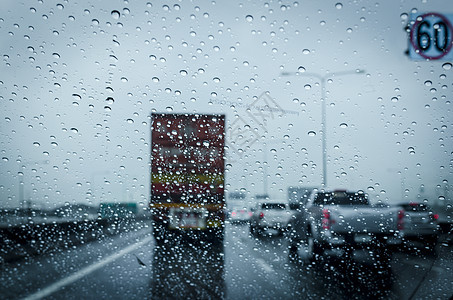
(245, 267)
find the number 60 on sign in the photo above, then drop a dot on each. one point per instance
(430, 36)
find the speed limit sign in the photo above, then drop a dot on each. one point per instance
(431, 36)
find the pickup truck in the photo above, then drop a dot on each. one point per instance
(343, 221)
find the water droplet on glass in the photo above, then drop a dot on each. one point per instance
(36, 144)
(155, 79)
(307, 86)
(447, 66)
(169, 108)
(339, 5)
(394, 99)
(183, 72)
(75, 130)
(301, 69)
(109, 100)
(130, 121)
(344, 125)
(311, 133)
(115, 14)
(306, 51)
(249, 18)
(428, 82)
(216, 79)
(77, 97)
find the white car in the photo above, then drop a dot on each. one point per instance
(240, 215)
(420, 224)
(270, 217)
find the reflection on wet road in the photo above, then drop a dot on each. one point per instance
(188, 270)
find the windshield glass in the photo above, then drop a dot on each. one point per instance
(170, 149)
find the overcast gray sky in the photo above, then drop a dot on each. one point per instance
(80, 79)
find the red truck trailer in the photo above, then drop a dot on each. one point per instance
(187, 175)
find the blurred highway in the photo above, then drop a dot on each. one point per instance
(130, 266)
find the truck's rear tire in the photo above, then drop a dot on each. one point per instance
(160, 233)
(431, 243)
(293, 249)
(383, 260)
(253, 230)
(216, 236)
(314, 249)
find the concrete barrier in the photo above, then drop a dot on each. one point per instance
(18, 241)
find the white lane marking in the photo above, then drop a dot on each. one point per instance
(264, 265)
(81, 273)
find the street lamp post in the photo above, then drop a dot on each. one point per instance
(265, 164)
(322, 79)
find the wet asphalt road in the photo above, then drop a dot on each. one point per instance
(131, 266)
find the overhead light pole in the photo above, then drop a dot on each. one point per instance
(322, 79)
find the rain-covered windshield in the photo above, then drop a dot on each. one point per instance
(139, 140)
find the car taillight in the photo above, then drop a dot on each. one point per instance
(250, 213)
(326, 220)
(261, 215)
(435, 216)
(400, 221)
(233, 213)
